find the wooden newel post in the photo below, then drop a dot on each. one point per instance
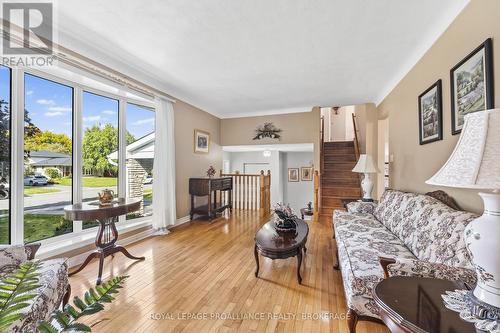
(268, 193)
(316, 196)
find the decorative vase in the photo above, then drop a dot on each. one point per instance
(481, 237)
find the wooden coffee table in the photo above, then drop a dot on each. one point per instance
(281, 245)
(414, 304)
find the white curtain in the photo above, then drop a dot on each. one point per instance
(164, 213)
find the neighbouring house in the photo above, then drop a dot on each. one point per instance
(43, 159)
(139, 164)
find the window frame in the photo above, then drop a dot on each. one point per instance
(78, 237)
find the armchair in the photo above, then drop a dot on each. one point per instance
(54, 287)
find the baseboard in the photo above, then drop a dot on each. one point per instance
(78, 259)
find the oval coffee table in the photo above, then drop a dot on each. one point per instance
(414, 304)
(281, 245)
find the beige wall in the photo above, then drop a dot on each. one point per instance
(301, 127)
(413, 163)
(187, 163)
(367, 128)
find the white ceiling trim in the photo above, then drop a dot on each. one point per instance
(296, 147)
(266, 112)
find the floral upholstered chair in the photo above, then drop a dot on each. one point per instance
(54, 287)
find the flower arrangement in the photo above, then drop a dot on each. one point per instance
(286, 217)
(211, 172)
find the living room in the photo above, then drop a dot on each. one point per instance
(249, 166)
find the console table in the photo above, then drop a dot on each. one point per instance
(107, 234)
(208, 187)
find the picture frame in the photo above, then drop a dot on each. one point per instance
(306, 174)
(293, 174)
(471, 82)
(430, 114)
(201, 142)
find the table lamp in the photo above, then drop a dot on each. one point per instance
(366, 166)
(475, 164)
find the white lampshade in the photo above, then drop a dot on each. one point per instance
(365, 165)
(475, 161)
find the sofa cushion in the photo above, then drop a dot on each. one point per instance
(429, 228)
(361, 239)
(53, 281)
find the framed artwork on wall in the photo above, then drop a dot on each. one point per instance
(306, 173)
(293, 174)
(472, 85)
(430, 114)
(201, 141)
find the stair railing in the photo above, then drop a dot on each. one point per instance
(356, 140)
(250, 191)
(316, 196)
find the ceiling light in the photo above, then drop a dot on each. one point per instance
(266, 153)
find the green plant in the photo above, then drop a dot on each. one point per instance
(16, 289)
(66, 320)
(52, 173)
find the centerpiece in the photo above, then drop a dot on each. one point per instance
(285, 219)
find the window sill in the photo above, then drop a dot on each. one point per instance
(65, 243)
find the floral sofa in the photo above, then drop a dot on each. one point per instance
(422, 235)
(53, 280)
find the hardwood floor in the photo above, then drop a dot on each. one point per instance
(207, 269)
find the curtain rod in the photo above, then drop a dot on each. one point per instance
(75, 59)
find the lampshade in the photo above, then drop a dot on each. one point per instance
(475, 161)
(365, 165)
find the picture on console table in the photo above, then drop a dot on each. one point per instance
(430, 114)
(472, 85)
(201, 141)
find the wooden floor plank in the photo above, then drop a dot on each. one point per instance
(207, 269)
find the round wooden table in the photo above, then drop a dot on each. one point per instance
(107, 234)
(414, 304)
(281, 245)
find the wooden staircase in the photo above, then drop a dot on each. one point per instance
(338, 182)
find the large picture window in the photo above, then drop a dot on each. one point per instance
(48, 162)
(78, 140)
(5, 156)
(100, 141)
(140, 156)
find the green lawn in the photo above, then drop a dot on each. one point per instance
(90, 181)
(30, 190)
(37, 227)
(148, 194)
(40, 226)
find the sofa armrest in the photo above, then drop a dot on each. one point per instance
(415, 267)
(361, 207)
(31, 249)
(16, 254)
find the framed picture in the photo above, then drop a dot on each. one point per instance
(201, 141)
(293, 174)
(306, 173)
(430, 114)
(472, 85)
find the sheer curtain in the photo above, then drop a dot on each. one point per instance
(164, 213)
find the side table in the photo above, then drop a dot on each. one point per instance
(414, 304)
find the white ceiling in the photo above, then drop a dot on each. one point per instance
(240, 57)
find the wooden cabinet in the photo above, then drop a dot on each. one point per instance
(218, 192)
